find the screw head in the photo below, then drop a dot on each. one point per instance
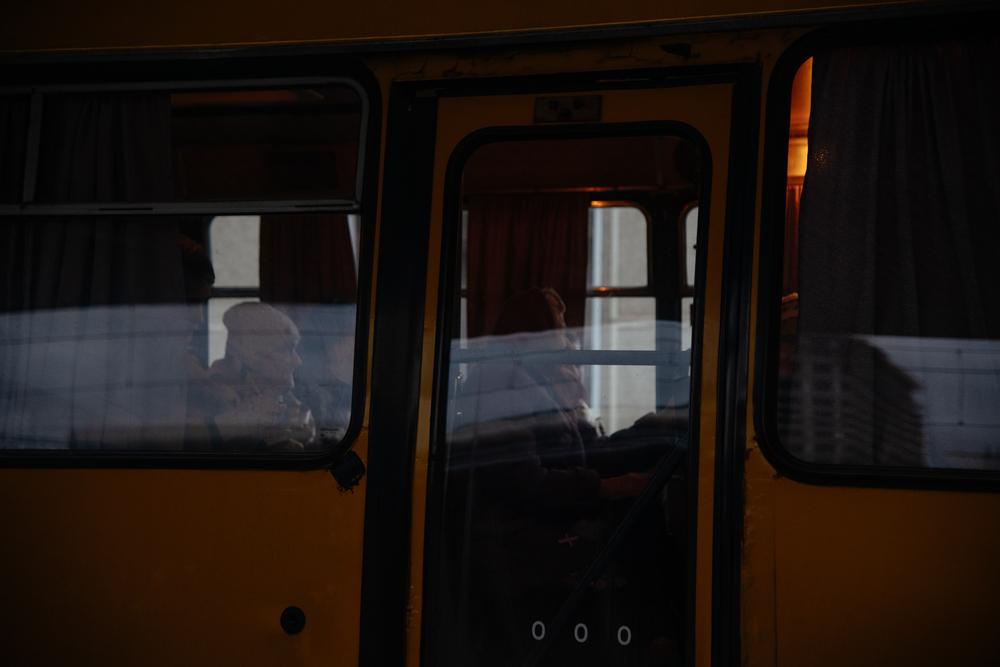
(293, 620)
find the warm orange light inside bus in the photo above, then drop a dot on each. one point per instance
(798, 153)
(798, 146)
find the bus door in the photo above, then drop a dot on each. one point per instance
(563, 475)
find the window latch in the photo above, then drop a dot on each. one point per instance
(348, 469)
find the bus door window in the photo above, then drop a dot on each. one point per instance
(561, 528)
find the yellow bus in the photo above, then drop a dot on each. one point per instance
(447, 334)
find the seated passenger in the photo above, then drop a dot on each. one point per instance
(537, 410)
(254, 382)
(526, 496)
(325, 383)
(202, 402)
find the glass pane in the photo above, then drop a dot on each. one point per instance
(354, 226)
(890, 317)
(690, 244)
(113, 333)
(620, 323)
(160, 146)
(234, 242)
(218, 335)
(617, 246)
(13, 142)
(687, 322)
(562, 406)
(619, 395)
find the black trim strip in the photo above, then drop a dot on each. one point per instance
(399, 319)
(771, 259)
(244, 207)
(550, 36)
(234, 293)
(575, 357)
(734, 344)
(369, 202)
(124, 70)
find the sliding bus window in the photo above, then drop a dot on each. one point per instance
(567, 409)
(183, 326)
(200, 145)
(620, 305)
(889, 336)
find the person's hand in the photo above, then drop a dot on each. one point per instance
(666, 419)
(628, 485)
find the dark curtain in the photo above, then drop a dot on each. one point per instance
(93, 326)
(307, 259)
(97, 148)
(105, 148)
(307, 269)
(518, 242)
(899, 226)
(790, 275)
(13, 138)
(52, 263)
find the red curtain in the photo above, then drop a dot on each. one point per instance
(516, 242)
(306, 259)
(790, 275)
(307, 269)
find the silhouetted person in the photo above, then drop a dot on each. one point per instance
(528, 504)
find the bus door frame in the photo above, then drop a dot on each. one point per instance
(403, 245)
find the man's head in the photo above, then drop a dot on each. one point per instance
(263, 340)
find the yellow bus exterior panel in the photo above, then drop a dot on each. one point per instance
(876, 577)
(46, 25)
(142, 567)
(863, 576)
(834, 576)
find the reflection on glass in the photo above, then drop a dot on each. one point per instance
(217, 333)
(890, 316)
(113, 336)
(619, 323)
(893, 400)
(545, 473)
(567, 419)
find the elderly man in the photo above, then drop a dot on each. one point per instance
(254, 382)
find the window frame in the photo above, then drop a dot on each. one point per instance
(614, 199)
(771, 268)
(617, 199)
(685, 288)
(139, 72)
